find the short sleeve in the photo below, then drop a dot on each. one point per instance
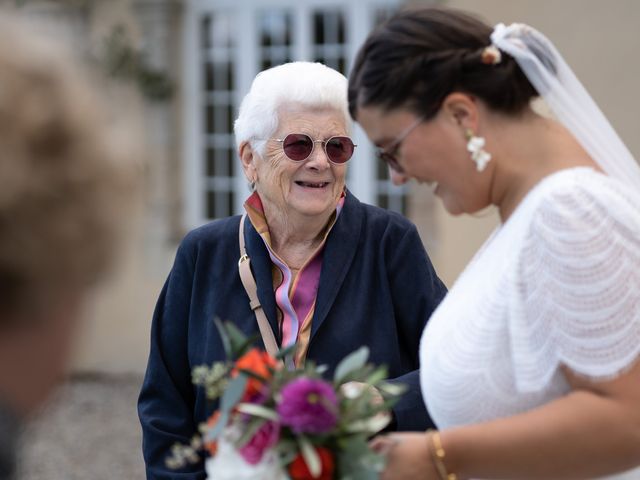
(578, 276)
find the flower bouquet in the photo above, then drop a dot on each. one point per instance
(279, 423)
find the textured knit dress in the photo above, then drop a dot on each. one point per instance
(557, 284)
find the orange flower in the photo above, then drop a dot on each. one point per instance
(212, 446)
(298, 469)
(258, 362)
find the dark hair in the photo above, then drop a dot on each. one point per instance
(419, 56)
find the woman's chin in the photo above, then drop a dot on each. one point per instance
(313, 203)
(452, 206)
(314, 210)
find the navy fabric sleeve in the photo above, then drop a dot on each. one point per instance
(166, 402)
(416, 291)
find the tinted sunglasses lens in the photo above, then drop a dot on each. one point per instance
(339, 149)
(297, 146)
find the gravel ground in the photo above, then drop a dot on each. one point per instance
(90, 431)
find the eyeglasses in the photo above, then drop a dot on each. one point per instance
(299, 146)
(388, 154)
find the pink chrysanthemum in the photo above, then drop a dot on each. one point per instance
(308, 406)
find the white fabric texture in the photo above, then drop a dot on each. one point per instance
(556, 284)
(561, 90)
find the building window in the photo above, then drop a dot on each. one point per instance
(275, 38)
(329, 40)
(228, 43)
(218, 53)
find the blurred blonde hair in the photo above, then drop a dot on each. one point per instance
(66, 175)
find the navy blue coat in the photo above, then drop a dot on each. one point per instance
(377, 288)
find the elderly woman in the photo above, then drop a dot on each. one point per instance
(64, 194)
(332, 274)
(531, 364)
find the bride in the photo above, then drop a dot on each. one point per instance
(529, 366)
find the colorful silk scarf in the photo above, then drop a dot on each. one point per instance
(295, 294)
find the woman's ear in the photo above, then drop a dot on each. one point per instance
(462, 108)
(248, 158)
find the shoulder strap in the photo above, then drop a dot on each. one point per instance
(244, 266)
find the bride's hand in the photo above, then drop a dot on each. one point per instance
(407, 454)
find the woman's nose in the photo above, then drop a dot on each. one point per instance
(318, 158)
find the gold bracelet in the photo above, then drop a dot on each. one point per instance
(434, 445)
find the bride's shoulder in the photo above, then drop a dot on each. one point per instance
(582, 198)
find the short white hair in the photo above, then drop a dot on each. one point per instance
(304, 84)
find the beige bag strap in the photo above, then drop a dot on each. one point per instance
(244, 266)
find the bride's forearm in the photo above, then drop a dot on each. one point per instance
(580, 435)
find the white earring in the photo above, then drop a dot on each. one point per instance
(478, 154)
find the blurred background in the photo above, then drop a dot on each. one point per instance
(185, 65)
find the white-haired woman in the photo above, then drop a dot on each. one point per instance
(332, 274)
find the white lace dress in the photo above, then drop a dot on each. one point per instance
(558, 283)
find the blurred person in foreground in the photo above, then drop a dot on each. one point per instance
(332, 274)
(65, 180)
(530, 365)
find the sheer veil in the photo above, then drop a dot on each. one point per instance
(567, 98)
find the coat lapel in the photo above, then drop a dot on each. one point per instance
(339, 253)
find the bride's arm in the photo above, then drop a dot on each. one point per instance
(592, 431)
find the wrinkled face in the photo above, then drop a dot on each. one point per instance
(434, 153)
(300, 189)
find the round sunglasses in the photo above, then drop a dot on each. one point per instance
(299, 146)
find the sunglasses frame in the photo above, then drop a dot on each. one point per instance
(313, 146)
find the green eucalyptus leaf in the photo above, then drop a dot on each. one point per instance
(395, 389)
(258, 411)
(283, 352)
(377, 376)
(311, 457)
(252, 427)
(215, 432)
(233, 393)
(369, 425)
(226, 341)
(287, 449)
(237, 338)
(351, 362)
(244, 347)
(356, 461)
(252, 374)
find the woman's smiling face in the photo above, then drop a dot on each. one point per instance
(308, 187)
(434, 152)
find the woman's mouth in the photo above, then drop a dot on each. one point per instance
(312, 184)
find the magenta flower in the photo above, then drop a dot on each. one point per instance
(308, 406)
(266, 436)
